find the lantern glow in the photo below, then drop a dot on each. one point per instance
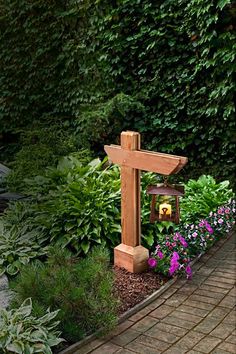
(165, 211)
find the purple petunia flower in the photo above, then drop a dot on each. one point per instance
(188, 271)
(183, 241)
(208, 227)
(152, 262)
(175, 256)
(160, 254)
(174, 265)
(172, 269)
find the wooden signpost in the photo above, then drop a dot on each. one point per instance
(130, 254)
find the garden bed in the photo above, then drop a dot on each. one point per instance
(131, 288)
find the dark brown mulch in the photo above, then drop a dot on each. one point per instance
(131, 288)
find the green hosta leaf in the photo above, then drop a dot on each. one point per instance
(222, 3)
(12, 269)
(24, 333)
(25, 309)
(16, 347)
(85, 246)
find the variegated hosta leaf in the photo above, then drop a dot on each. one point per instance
(22, 333)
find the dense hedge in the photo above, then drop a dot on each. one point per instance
(163, 68)
(176, 58)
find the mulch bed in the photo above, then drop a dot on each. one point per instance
(131, 288)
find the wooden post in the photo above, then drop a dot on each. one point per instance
(130, 254)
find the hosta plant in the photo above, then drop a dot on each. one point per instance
(22, 333)
(202, 196)
(17, 248)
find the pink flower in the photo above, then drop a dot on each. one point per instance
(194, 234)
(152, 262)
(208, 227)
(227, 210)
(160, 254)
(172, 269)
(220, 221)
(174, 265)
(183, 241)
(175, 256)
(188, 271)
(167, 243)
(174, 244)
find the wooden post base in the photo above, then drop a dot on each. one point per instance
(134, 259)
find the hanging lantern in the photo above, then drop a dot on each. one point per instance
(165, 211)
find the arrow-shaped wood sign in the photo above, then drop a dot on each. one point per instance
(146, 160)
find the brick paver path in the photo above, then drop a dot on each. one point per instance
(196, 316)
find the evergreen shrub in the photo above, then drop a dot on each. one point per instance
(80, 288)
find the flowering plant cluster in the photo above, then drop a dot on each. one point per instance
(171, 256)
(204, 233)
(174, 253)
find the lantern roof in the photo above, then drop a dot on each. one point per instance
(162, 189)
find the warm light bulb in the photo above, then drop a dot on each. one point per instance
(164, 209)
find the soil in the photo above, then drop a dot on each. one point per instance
(131, 288)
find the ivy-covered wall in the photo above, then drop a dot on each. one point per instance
(164, 68)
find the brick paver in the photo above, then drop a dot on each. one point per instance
(192, 317)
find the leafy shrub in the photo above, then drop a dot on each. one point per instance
(17, 247)
(41, 146)
(23, 333)
(85, 209)
(102, 123)
(81, 289)
(176, 59)
(77, 205)
(202, 196)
